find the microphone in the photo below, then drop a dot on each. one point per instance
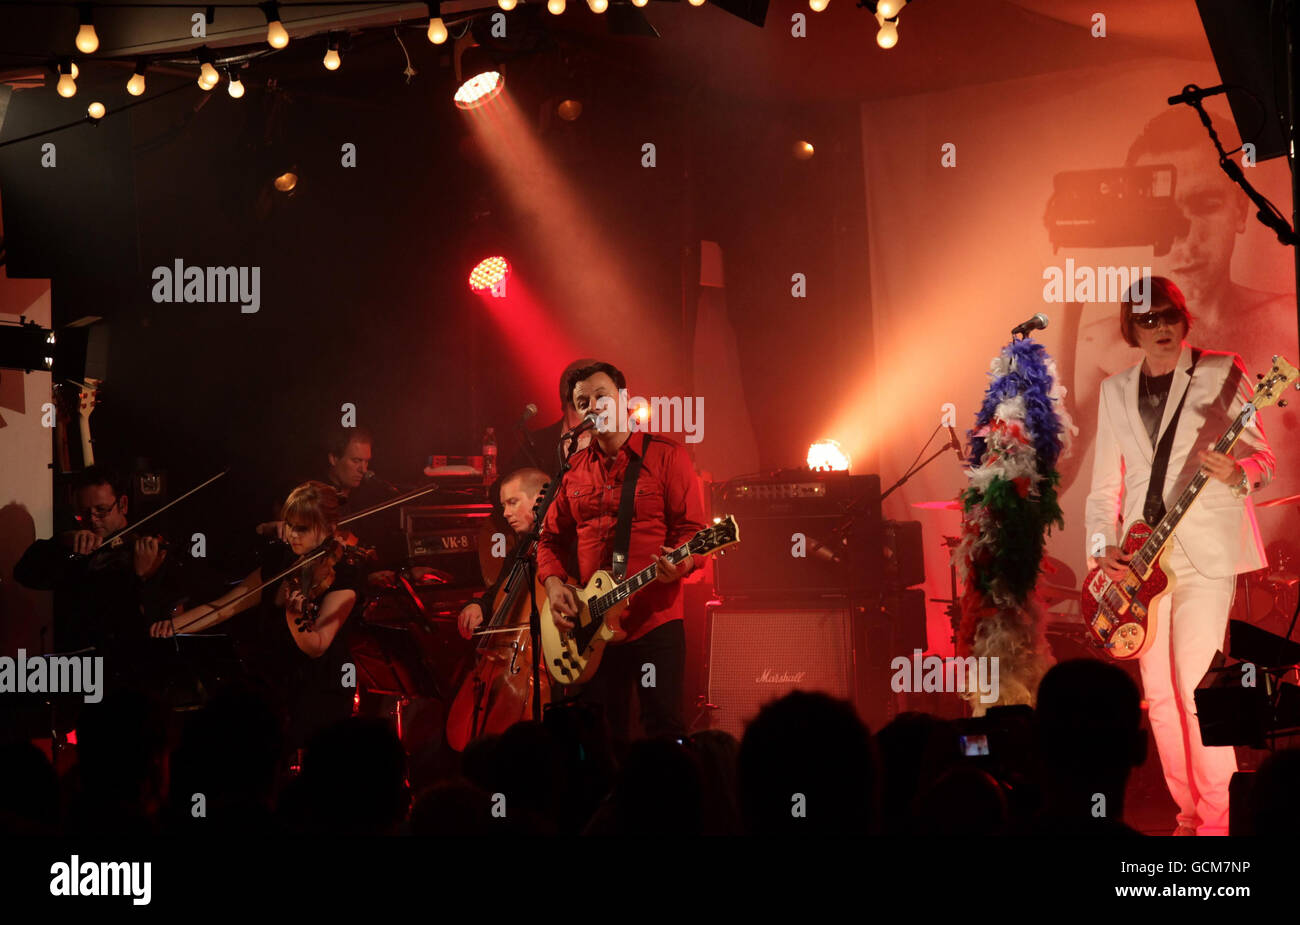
(1036, 323)
(956, 444)
(1193, 94)
(370, 474)
(590, 420)
(529, 410)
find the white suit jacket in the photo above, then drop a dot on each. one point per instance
(1218, 533)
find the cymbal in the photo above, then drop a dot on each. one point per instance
(1275, 502)
(938, 505)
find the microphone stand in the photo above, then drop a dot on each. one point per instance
(534, 615)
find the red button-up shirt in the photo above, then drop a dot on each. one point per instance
(669, 511)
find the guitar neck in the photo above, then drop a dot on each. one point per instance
(642, 578)
(1156, 542)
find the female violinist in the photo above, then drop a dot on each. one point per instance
(306, 647)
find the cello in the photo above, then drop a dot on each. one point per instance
(498, 691)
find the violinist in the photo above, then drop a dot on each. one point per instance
(103, 597)
(303, 644)
(348, 452)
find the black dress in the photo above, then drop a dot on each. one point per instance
(309, 691)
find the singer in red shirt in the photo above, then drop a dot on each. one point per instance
(669, 510)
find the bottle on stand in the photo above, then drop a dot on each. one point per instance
(489, 456)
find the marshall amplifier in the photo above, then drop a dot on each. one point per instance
(446, 537)
(759, 655)
(803, 533)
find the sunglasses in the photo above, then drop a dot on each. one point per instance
(1149, 320)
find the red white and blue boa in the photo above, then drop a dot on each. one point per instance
(1020, 433)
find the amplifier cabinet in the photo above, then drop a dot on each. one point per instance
(447, 537)
(755, 656)
(821, 535)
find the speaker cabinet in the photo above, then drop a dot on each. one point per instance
(759, 655)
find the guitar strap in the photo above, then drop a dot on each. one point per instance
(1154, 508)
(626, 509)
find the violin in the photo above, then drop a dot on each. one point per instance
(317, 574)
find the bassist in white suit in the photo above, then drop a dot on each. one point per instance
(1215, 540)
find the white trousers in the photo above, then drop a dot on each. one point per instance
(1197, 775)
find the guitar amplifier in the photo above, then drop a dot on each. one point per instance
(759, 655)
(803, 533)
(446, 537)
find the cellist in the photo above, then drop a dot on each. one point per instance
(308, 647)
(497, 693)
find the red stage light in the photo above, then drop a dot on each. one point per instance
(479, 89)
(490, 274)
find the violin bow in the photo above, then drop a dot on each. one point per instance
(114, 537)
(375, 509)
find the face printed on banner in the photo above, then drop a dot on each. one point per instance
(1214, 210)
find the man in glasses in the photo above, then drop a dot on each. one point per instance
(102, 598)
(1166, 413)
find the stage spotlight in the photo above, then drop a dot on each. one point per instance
(827, 455)
(276, 35)
(287, 181)
(490, 275)
(26, 346)
(234, 86)
(556, 7)
(887, 37)
(568, 110)
(87, 40)
(67, 86)
(332, 59)
(598, 6)
(437, 28)
(96, 110)
(135, 86)
(479, 90)
(888, 9)
(803, 150)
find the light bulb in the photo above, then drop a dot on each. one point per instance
(507, 5)
(95, 110)
(87, 40)
(135, 86)
(598, 6)
(640, 3)
(887, 37)
(76, 71)
(332, 60)
(437, 30)
(276, 35)
(205, 84)
(889, 8)
(818, 5)
(556, 7)
(208, 74)
(67, 86)
(235, 88)
(696, 2)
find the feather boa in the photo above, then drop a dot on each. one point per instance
(1021, 431)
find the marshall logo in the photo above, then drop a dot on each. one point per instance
(770, 676)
